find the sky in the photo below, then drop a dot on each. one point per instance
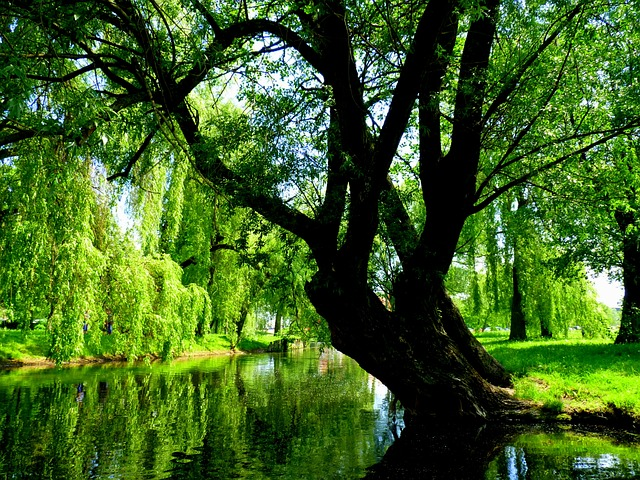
(610, 293)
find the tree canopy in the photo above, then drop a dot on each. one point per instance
(357, 126)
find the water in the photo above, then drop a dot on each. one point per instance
(567, 455)
(300, 415)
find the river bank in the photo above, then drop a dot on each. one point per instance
(29, 349)
(571, 380)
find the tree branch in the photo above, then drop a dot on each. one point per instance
(429, 103)
(400, 228)
(192, 260)
(437, 16)
(219, 177)
(132, 161)
(502, 163)
(512, 83)
(524, 178)
(247, 29)
(65, 78)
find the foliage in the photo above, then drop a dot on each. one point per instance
(250, 269)
(385, 128)
(151, 310)
(553, 298)
(54, 272)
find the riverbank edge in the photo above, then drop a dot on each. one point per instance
(535, 413)
(90, 360)
(609, 416)
(258, 345)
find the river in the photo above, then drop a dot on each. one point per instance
(300, 415)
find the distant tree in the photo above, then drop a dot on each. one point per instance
(600, 224)
(546, 296)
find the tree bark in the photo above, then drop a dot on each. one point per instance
(278, 324)
(442, 374)
(518, 323)
(242, 318)
(545, 331)
(630, 319)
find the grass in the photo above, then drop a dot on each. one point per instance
(258, 341)
(21, 345)
(574, 374)
(213, 343)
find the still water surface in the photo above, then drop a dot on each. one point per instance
(301, 415)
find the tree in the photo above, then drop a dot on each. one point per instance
(600, 224)
(547, 296)
(65, 263)
(351, 83)
(50, 267)
(245, 264)
(622, 201)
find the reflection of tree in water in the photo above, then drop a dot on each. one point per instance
(267, 416)
(512, 463)
(568, 454)
(272, 424)
(459, 451)
(280, 419)
(439, 451)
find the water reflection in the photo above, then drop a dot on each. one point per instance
(298, 415)
(510, 452)
(567, 455)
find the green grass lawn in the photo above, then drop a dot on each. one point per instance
(572, 374)
(21, 345)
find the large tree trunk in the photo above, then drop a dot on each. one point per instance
(278, 324)
(431, 371)
(518, 324)
(630, 319)
(422, 350)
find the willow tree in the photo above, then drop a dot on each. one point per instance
(624, 206)
(50, 267)
(541, 291)
(335, 93)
